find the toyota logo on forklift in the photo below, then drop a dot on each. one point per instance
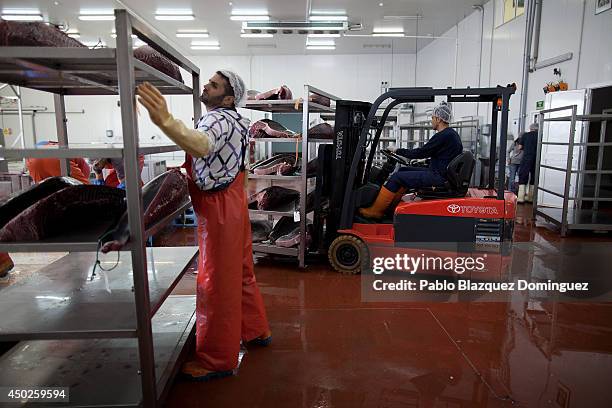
(453, 208)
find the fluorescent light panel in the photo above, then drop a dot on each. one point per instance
(387, 34)
(212, 43)
(324, 35)
(192, 33)
(96, 15)
(320, 42)
(256, 35)
(113, 35)
(101, 17)
(174, 17)
(22, 17)
(320, 47)
(205, 47)
(328, 18)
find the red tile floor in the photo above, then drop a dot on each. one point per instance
(332, 350)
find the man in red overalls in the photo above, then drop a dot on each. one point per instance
(229, 306)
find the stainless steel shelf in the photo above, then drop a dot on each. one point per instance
(273, 213)
(591, 118)
(75, 71)
(273, 177)
(546, 166)
(290, 140)
(81, 150)
(60, 301)
(578, 219)
(286, 106)
(273, 249)
(102, 372)
(83, 241)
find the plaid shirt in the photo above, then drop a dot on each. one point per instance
(229, 131)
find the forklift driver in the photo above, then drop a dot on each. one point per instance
(442, 148)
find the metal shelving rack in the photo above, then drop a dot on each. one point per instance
(86, 315)
(574, 218)
(306, 107)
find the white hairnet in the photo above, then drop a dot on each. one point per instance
(534, 126)
(443, 111)
(237, 85)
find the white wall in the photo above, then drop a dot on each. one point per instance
(562, 31)
(347, 76)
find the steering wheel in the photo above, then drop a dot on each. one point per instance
(395, 158)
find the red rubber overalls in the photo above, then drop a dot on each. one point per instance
(229, 306)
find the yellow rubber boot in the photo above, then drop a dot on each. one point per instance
(377, 210)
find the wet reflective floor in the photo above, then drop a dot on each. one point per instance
(331, 350)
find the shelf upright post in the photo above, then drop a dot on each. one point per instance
(538, 163)
(62, 130)
(197, 105)
(568, 171)
(304, 180)
(129, 124)
(600, 158)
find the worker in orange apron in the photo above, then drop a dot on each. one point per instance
(116, 174)
(41, 169)
(6, 264)
(229, 306)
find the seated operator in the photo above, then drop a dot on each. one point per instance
(443, 147)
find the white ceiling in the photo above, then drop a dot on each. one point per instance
(437, 17)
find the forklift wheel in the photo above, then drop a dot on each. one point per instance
(348, 254)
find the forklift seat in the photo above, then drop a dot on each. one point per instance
(458, 175)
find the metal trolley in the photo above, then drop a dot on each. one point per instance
(575, 216)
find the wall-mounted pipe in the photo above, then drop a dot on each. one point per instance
(529, 20)
(536, 35)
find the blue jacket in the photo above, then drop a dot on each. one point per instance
(443, 147)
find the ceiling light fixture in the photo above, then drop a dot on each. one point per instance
(320, 47)
(205, 47)
(256, 35)
(113, 35)
(96, 15)
(320, 42)
(415, 17)
(324, 35)
(22, 15)
(212, 43)
(192, 34)
(387, 34)
(74, 35)
(174, 17)
(327, 18)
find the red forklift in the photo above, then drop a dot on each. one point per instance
(472, 219)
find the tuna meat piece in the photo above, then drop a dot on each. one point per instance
(282, 92)
(65, 210)
(34, 34)
(17, 203)
(271, 198)
(260, 230)
(158, 61)
(160, 197)
(321, 131)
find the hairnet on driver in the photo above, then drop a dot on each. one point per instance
(237, 85)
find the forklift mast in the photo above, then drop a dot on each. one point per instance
(349, 122)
